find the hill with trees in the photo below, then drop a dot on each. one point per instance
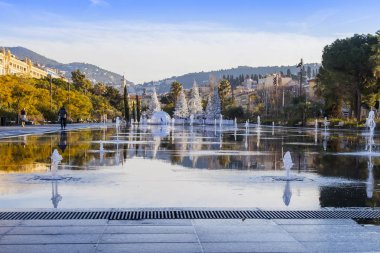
(163, 86)
(93, 73)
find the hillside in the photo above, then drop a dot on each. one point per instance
(92, 72)
(203, 77)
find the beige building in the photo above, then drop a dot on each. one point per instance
(245, 99)
(269, 81)
(10, 65)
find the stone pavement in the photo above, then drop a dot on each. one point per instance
(11, 131)
(198, 235)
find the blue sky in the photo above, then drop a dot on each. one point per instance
(148, 40)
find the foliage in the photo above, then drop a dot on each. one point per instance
(18, 92)
(234, 112)
(169, 108)
(133, 111)
(99, 89)
(126, 104)
(175, 90)
(80, 81)
(348, 67)
(138, 108)
(114, 97)
(224, 89)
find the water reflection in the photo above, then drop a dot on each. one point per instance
(63, 141)
(55, 196)
(205, 148)
(287, 194)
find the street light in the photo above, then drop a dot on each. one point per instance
(300, 65)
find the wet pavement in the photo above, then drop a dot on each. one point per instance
(200, 166)
(200, 235)
(149, 167)
(11, 131)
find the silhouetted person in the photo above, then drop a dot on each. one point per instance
(62, 116)
(23, 117)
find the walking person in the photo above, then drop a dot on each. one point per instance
(23, 117)
(62, 117)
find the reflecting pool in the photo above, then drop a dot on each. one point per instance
(200, 166)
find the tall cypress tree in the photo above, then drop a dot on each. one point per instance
(126, 104)
(133, 112)
(138, 109)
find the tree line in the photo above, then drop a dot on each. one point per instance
(83, 100)
(349, 76)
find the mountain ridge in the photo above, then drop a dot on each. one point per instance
(97, 74)
(93, 73)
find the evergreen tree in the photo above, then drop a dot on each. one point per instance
(80, 81)
(195, 101)
(138, 108)
(213, 108)
(154, 105)
(224, 90)
(175, 90)
(347, 66)
(181, 109)
(133, 112)
(126, 104)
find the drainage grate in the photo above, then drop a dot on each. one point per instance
(190, 214)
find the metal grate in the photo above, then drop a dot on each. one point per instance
(190, 214)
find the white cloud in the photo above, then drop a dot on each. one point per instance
(147, 51)
(99, 2)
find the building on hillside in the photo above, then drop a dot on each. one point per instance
(55, 73)
(249, 83)
(245, 99)
(270, 80)
(10, 65)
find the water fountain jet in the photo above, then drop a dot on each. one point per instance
(56, 158)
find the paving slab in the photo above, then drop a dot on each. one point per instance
(150, 248)
(49, 239)
(213, 235)
(149, 230)
(343, 236)
(50, 248)
(56, 223)
(58, 230)
(151, 222)
(148, 238)
(247, 237)
(233, 247)
(346, 246)
(322, 228)
(314, 222)
(204, 229)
